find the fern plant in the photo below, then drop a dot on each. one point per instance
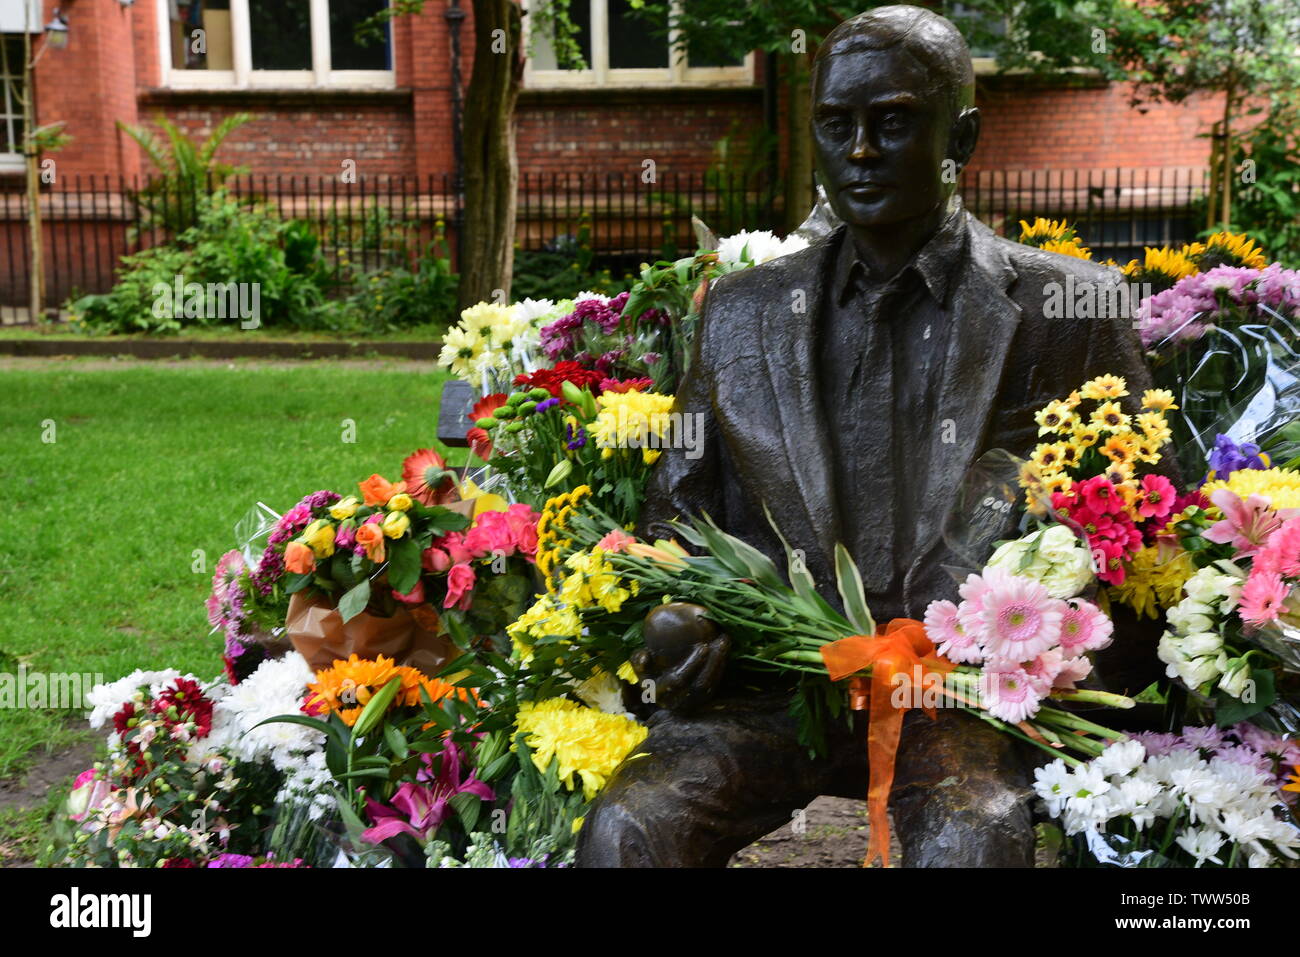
(188, 172)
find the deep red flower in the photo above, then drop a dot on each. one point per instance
(426, 478)
(552, 379)
(480, 442)
(190, 702)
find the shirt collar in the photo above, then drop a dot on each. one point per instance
(934, 263)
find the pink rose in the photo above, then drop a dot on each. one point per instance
(615, 540)
(454, 544)
(413, 597)
(491, 535)
(460, 587)
(522, 521)
(435, 560)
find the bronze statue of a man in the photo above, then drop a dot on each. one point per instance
(849, 387)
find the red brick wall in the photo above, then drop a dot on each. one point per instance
(92, 83)
(1090, 127)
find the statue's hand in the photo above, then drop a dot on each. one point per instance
(683, 657)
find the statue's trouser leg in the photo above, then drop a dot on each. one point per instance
(715, 782)
(961, 795)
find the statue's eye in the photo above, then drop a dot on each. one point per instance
(892, 122)
(835, 124)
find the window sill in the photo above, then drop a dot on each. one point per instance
(637, 96)
(300, 96)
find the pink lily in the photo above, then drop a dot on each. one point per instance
(1245, 525)
(419, 807)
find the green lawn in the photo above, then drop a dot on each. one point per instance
(428, 332)
(149, 463)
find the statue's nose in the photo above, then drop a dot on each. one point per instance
(863, 148)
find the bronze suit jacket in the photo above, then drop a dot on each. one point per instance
(754, 384)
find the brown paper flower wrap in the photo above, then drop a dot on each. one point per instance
(412, 636)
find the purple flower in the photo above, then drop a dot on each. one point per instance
(1227, 456)
(1204, 738)
(574, 440)
(346, 537)
(546, 405)
(419, 807)
(231, 860)
(1156, 743)
(270, 569)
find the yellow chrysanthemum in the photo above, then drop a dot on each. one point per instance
(1280, 486)
(1151, 584)
(1047, 457)
(1104, 387)
(1060, 482)
(1173, 263)
(1120, 449)
(1119, 473)
(1054, 417)
(630, 419)
(1293, 783)
(588, 744)
(1067, 247)
(1158, 400)
(1227, 249)
(627, 673)
(1085, 436)
(1109, 417)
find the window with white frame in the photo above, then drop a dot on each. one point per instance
(11, 104)
(620, 49)
(240, 44)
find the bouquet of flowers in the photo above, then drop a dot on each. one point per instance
(1206, 797)
(192, 779)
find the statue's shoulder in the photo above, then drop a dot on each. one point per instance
(1034, 264)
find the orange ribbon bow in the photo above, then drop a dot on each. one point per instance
(899, 649)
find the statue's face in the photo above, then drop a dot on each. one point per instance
(882, 134)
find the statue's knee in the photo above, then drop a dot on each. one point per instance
(612, 835)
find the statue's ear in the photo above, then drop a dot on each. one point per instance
(965, 134)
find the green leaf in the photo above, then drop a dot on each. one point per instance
(1229, 710)
(849, 583)
(396, 741)
(296, 582)
(403, 565)
(353, 601)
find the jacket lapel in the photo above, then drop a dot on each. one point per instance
(789, 348)
(984, 322)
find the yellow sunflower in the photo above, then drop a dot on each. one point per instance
(1158, 400)
(1105, 387)
(1109, 417)
(1054, 417)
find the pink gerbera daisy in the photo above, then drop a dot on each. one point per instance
(1009, 693)
(1072, 670)
(943, 625)
(1262, 598)
(1043, 671)
(1020, 619)
(1084, 628)
(1282, 552)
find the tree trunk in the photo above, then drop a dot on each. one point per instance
(36, 303)
(798, 182)
(491, 169)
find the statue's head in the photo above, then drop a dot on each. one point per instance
(893, 90)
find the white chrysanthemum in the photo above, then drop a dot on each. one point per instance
(588, 294)
(1050, 784)
(459, 348)
(275, 688)
(106, 700)
(532, 310)
(1201, 843)
(757, 247)
(1121, 758)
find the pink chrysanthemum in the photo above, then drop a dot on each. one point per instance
(1262, 598)
(1281, 554)
(1043, 671)
(1072, 670)
(944, 626)
(1084, 628)
(1009, 693)
(1020, 619)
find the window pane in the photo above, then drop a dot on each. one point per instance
(200, 35)
(701, 53)
(281, 34)
(633, 41)
(11, 78)
(543, 48)
(345, 52)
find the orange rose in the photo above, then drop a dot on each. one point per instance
(299, 559)
(371, 538)
(377, 490)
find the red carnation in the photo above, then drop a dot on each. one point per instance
(552, 379)
(191, 705)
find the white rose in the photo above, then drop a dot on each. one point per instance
(1009, 555)
(1198, 671)
(1202, 643)
(1234, 681)
(1208, 589)
(1059, 544)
